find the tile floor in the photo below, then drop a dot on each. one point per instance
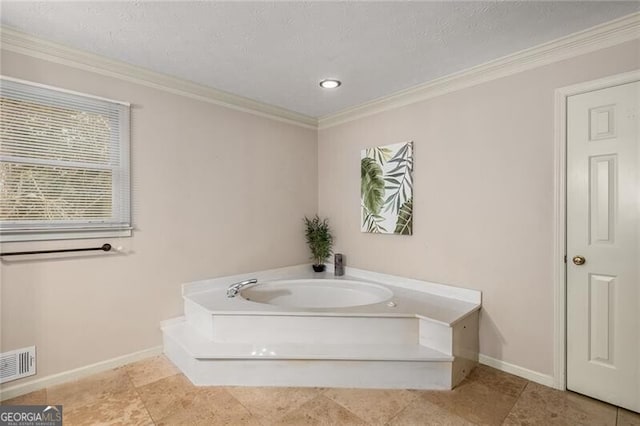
(154, 392)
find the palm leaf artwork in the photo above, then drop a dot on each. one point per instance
(371, 185)
(372, 223)
(399, 180)
(386, 189)
(381, 154)
(404, 225)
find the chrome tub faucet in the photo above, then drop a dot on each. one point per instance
(234, 289)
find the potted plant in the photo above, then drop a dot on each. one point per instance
(320, 241)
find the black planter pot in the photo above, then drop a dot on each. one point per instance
(319, 268)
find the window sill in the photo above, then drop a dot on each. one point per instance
(64, 235)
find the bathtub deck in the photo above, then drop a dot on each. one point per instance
(408, 303)
(413, 300)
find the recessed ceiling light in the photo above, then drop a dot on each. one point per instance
(330, 83)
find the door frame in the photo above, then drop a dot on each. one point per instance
(560, 214)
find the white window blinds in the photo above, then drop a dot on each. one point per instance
(64, 163)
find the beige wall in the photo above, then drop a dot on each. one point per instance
(207, 201)
(215, 192)
(483, 197)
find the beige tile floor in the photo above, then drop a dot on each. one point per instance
(154, 392)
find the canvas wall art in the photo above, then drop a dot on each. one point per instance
(386, 189)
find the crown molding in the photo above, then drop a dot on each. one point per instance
(25, 44)
(595, 38)
(599, 37)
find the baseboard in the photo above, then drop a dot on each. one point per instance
(77, 373)
(516, 370)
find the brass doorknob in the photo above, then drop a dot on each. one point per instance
(579, 260)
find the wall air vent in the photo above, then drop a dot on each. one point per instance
(17, 364)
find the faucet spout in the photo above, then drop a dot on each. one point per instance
(234, 289)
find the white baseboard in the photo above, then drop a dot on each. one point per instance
(77, 373)
(525, 373)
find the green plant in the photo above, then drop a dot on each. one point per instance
(319, 238)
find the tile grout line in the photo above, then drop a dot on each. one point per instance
(336, 402)
(153, 419)
(416, 398)
(515, 402)
(400, 412)
(346, 408)
(135, 389)
(144, 405)
(258, 419)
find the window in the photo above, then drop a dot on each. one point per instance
(64, 164)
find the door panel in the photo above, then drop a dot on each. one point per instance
(602, 190)
(601, 319)
(603, 215)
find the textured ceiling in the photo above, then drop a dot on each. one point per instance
(277, 52)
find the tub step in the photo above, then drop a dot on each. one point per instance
(399, 366)
(199, 347)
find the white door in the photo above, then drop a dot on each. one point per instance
(603, 244)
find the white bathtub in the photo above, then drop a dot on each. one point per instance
(299, 328)
(310, 293)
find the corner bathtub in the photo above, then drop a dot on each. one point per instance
(310, 293)
(300, 328)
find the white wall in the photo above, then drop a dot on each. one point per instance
(483, 197)
(215, 192)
